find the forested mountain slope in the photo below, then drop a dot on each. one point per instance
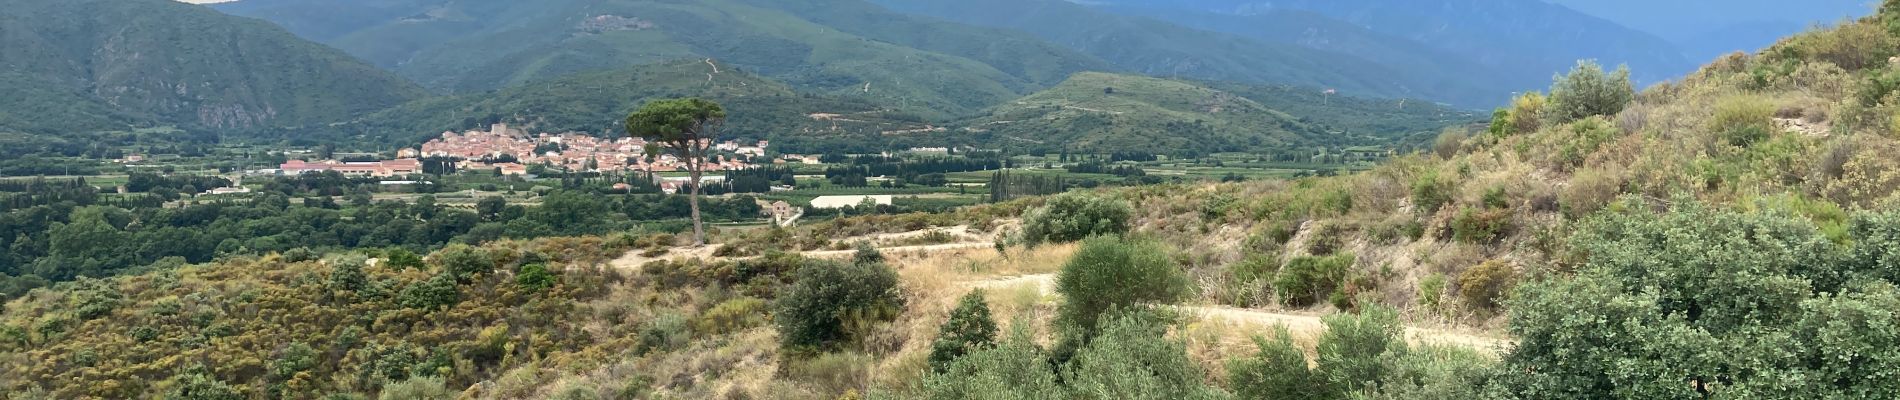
(836, 47)
(95, 64)
(1108, 113)
(1158, 48)
(1520, 43)
(597, 103)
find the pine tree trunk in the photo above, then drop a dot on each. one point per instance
(699, 230)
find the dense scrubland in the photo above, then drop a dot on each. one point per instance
(1730, 235)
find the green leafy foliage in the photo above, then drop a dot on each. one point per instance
(1708, 302)
(1480, 226)
(1278, 371)
(1073, 217)
(433, 294)
(535, 277)
(825, 297)
(1359, 356)
(1132, 359)
(1743, 120)
(969, 329)
(1016, 369)
(1429, 192)
(464, 261)
(732, 316)
(1099, 277)
(1484, 285)
(260, 327)
(867, 254)
(1355, 351)
(1588, 91)
(1306, 280)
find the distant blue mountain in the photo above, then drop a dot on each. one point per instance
(1707, 28)
(1519, 42)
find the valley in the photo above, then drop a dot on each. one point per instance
(925, 199)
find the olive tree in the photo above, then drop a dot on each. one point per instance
(1589, 91)
(1111, 272)
(1072, 217)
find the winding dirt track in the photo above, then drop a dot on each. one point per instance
(1303, 327)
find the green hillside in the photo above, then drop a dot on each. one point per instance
(596, 102)
(1158, 48)
(97, 64)
(1393, 121)
(838, 47)
(1104, 112)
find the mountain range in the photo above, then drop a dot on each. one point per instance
(897, 65)
(113, 64)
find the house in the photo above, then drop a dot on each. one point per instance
(229, 190)
(836, 202)
(375, 168)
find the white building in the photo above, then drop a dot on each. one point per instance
(835, 202)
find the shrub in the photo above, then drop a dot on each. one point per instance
(417, 388)
(1870, 176)
(1430, 290)
(867, 254)
(1072, 217)
(401, 259)
(1497, 197)
(1449, 142)
(833, 372)
(732, 316)
(1278, 371)
(1353, 352)
(1589, 191)
(665, 332)
(1429, 193)
(1482, 286)
(1589, 91)
(436, 293)
(199, 385)
(1014, 369)
(969, 328)
(813, 312)
(1743, 120)
(1585, 137)
(1527, 112)
(346, 274)
(1110, 272)
(1500, 123)
(1480, 226)
(464, 261)
(1248, 278)
(300, 254)
(1326, 239)
(534, 277)
(1133, 359)
(1436, 372)
(1305, 280)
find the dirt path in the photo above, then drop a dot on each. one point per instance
(933, 248)
(1304, 328)
(635, 259)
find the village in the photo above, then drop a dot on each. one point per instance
(511, 151)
